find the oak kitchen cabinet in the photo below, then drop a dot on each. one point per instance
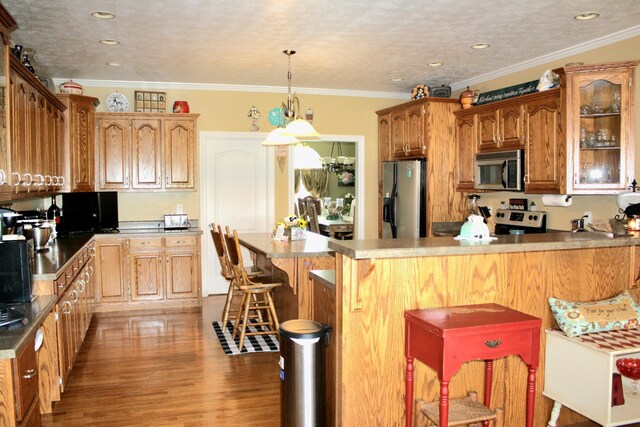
(599, 116)
(78, 142)
(500, 128)
(577, 139)
(112, 269)
(19, 404)
(32, 154)
(424, 128)
(146, 151)
(74, 288)
(147, 272)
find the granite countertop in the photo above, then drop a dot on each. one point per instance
(444, 246)
(313, 245)
(48, 264)
(14, 337)
(326, 277)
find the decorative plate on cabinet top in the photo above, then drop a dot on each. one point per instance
(117, 102)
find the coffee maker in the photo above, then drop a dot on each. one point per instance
(16, 267)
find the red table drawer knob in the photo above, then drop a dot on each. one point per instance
(493, 343)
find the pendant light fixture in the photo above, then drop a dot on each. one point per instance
(293, 128)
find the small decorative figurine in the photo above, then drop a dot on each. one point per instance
(466, 98)
(548, 80)
(254, 115)
(420, 91)
(309, 115)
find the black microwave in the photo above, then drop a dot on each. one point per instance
(16, 266)
(502, 170)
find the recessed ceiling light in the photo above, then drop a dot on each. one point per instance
(586, 16)
(109, 41)
(114, 64)
(480, 46)
(103, 15)
(435, 64)
(397, 79)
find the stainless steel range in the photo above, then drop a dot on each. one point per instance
(527, 221)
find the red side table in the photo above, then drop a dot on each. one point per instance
(445, 338)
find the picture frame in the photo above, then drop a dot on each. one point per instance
(150, 101)
(346, 179)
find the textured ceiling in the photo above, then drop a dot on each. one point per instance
(353, 45)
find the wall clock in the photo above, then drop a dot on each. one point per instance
(117, 102)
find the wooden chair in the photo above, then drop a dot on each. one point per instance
(256, 295)
(312, 217)
(348, 235)
(302, 209)
(226, 271)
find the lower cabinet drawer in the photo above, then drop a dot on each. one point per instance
(153, 242)
(25, 368)
(176, 242)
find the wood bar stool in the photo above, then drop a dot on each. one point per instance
(256, 296)
(445, 338)
(225, 271)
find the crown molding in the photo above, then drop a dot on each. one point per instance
(545, 59)
(120, 84)
(563, 53)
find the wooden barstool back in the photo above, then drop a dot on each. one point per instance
(225, 271)
(257, 296)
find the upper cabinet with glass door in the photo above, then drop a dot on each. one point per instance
(600, 119)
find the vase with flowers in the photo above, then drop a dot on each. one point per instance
(348, 201)
(290, 228)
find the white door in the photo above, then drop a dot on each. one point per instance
(237, 189)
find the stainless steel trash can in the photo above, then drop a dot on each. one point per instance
(302, 373)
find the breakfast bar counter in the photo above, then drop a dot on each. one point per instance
(292, 261)
(378, 280)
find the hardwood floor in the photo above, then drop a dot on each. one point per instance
(166, 370)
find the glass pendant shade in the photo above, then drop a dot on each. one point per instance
(302, 129)
(279, 136)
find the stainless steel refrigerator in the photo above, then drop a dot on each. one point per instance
(404, 199)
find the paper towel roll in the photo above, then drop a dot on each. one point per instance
(557, 200)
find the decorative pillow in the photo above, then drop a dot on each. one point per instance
(577, 318)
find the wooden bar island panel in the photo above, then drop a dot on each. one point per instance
(292, 261)
(377, 280)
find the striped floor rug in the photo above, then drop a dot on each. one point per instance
(252, 344)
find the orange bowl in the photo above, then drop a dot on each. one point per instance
(629, 367)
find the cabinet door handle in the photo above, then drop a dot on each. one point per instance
(29, 373)
(493, 343)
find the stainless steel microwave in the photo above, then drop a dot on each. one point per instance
(502, 170)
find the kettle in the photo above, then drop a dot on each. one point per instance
(474, 228)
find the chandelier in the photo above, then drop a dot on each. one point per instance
(337, 164)
(292, 127)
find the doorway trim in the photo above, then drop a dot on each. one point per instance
(359, 177)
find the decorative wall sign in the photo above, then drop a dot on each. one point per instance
(507, 92)
(150, 102)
